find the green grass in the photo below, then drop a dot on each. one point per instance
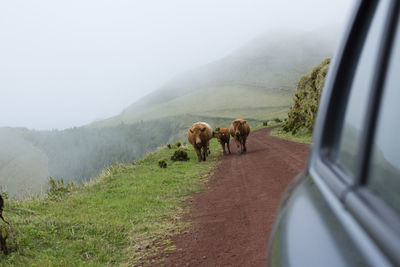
(120, 218)
(217, 102)
(270, 124)
(302, 136)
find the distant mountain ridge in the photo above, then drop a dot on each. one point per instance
(256, 82)
(260, 75)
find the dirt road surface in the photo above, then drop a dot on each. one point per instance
(233, 219)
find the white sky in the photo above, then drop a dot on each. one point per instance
(65, 63)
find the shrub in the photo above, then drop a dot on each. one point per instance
(265, 123)
(179, 155)
(303, 112)
(178, 144)
(57, 188)
(277, 120)
(162, 163)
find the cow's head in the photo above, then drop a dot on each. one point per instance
(197, 132)
(237, 126)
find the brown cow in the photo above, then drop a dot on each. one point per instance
(199, 135)
(223, 138)
(239, 130)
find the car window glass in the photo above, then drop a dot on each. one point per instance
(384, 175)
(358, 98)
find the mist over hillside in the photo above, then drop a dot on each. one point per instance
(256, 81)
(28, 158)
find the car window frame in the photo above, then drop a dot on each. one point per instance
(372, 214)
(323, 161)
(376, 216)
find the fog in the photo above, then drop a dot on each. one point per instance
(68, 63)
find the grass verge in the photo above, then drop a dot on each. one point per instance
(270, 124)
(120, 218)
(302, 136)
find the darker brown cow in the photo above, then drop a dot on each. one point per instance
(239, 130)
(223, 138)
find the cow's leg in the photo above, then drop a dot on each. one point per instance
(229, 149)
(244, 145)
(204, 152)
(223, 147)
(238, 145)
(208, 148)
(198, 152)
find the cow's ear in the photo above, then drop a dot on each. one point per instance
(191, 130)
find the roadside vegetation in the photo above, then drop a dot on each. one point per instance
(301, 136)
(125, 215)
(28, 157)
(266, 124)
(301, 117)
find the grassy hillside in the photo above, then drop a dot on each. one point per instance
(230, 102)
(124, 215)
(256, 81)
(79, 154)
(302, 114)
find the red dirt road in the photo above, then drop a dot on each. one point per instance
(233, 219)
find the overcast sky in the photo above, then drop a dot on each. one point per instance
(65, 63)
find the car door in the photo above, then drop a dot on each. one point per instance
(325, 217)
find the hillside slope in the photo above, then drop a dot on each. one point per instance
(306, 101)
(28, 158)
(256, 81)
(125, 215)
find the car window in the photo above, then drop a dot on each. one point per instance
(384, 174)
(356, 107)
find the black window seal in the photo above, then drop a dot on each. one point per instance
(376, 93)
(344, 78)
(334, 175)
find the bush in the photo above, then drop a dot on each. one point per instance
(162, 163)
(179, 155)
(57, 188)
(265, 123)
(303, 112)
(169, 146)
(277, 120)
(178, 144)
